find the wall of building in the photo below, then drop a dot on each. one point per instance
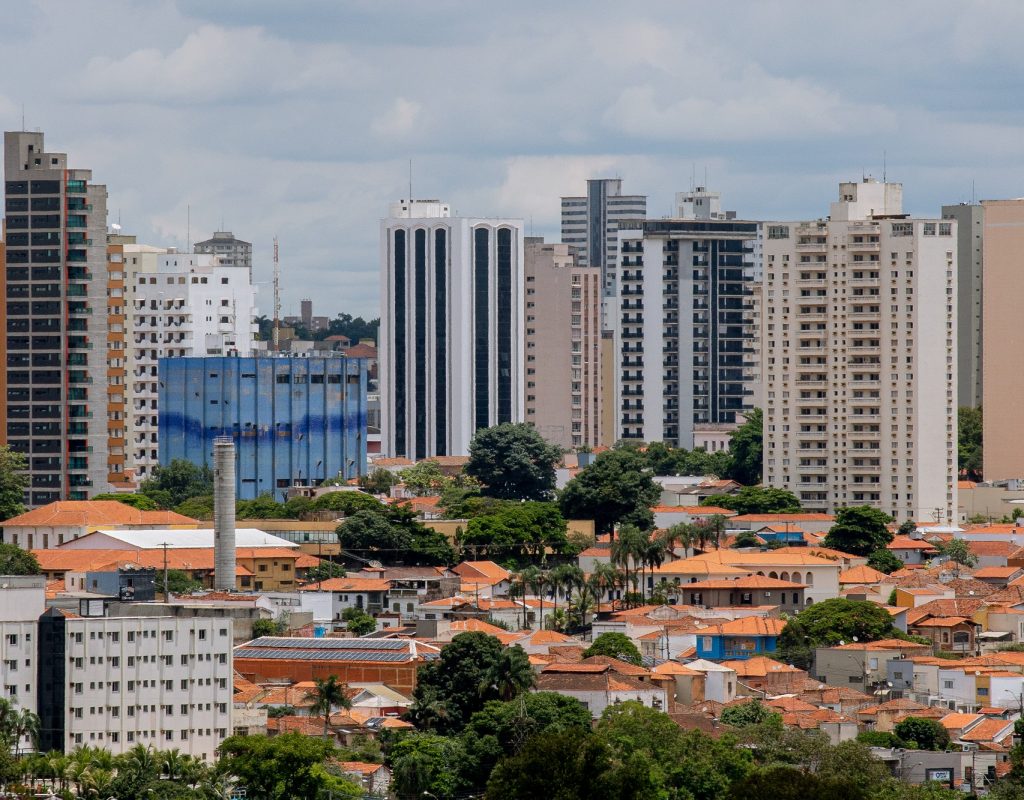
(294, 420)
(970, 316)
(1003, 298)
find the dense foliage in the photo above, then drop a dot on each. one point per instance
(513, 462)
(615, 645)
(746, 447)
(139, 501)
(517, 529)
(173, 484)
(394, 534)
(830, 622)
(616, 488)
(970, 449)
(926, 734)
(15, 561)
(756, 500)
(859, 530)
(13, 482)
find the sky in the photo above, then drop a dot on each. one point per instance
(299, 118)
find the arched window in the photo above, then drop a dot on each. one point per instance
(810, 579)
(784, 576)
(773, 574)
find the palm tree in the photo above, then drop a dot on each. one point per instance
(582, 604)
(510, 674)
(539, 579)
(652, 555)
(527, 577)
(557, 620)
(172, 762)
(603, 580)
(24, 724)
(327, 694)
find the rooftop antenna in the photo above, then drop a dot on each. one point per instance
(277, 300)
(883, 167)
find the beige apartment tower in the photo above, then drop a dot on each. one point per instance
(1002, 299)
(859, 357)
(563, 345)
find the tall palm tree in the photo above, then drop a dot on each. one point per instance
(652, 555)
(539, 580)
(24, 725)
(510, 674)
(603, 580)
(172, 763)
(527, 577)
(583, 602)
(326, 694)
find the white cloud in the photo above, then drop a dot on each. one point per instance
(400, 119)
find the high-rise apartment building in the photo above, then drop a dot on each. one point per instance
(563, 345)
(591, 225)
(451, 329)
(294, 420)
(231, 251)
(190, 305)
(970, 219)
(1003, 289)
(859, 357)
(57, 321)
(683, 322)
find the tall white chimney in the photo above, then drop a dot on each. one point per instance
(224, 514)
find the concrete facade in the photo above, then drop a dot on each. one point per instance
(451, 357)
(56, 285)
(859, 357)
(563, 345)
(231, 251)
(1003, 296)
(294, 420)
(970, 221)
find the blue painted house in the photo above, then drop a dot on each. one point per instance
(740, 638)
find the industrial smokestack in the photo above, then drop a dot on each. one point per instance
(224, 513)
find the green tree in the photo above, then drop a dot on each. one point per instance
(13, 482)
(499, 729)
(830, 622)
(745, 450)
(198, 507)
(267, 627)
(569, 766)
(969, 442)
(327, 694)
(424, 478)
(756, 500)
(880, 739)
(884, 560)
(958, 551)
(927, 734)
(454, 686)
(379, 481)
(425, 764)
(859, 530)
(264, 506)
(358, 622)
(139, 501)
(529, 528)
(395, 533)
(753, 712)
(15, 561)
(513, 462)
(288, 766)
(615, 645)
(616, 488)
(746, 539)
(180, 582)
(509, 674)
(174, 483)
(346, 502)
(788, 783)
(324, 571)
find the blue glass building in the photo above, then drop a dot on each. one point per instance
(293, 419)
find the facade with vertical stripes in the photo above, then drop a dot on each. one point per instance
(451, 331)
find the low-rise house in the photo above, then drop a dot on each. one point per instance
(740, 638)
(948, 634)
(957, 723)
(766, 676)
(666, 516)
(911, 551)
(812, 522)
(483, 578)
(862, 665)
(998, 576)
(683, 684)
(369, 595)
(598, 686)
(919, 595)
(886, 716)
(840, 699)
(750, 590)
(374, 778)
(720, 683)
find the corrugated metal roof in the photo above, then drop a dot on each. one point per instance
(154, 539)
(322, 655)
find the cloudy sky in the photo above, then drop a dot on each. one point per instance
(297, 118)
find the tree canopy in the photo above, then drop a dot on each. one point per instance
(926, 734)
(176, 482)
(139, 501)
(284, 767)
(746, 446)
(616, 488)
(513, 462)
(752, 713)
(859, 530)
(394, 533)
(15, 561)
(970, 450)
(528, 528)
(615, 645)
(13, 482)
(756, 500)
(830, 622)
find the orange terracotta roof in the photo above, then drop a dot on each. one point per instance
(304, 725)
(596, 552)
(995, 572)
(392, 462)
(939, 622)
(477, 570)
(862, 574)
(348, 585)
(906, 543)
(359, 767)
(956, 722)
(674, 668)
(548, 637)
(883, 644)
(989, 730)
(475, 625)
(592, 668)
(759, 667)
(750, 626)
(78, 513)
(965, 484)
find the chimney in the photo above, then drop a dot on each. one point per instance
(224, 513)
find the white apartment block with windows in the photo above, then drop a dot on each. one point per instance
(859, 357)
(189, 305)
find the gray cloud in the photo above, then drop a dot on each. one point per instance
(298, 119)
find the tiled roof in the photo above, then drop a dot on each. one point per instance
(995, 572)
(617, 665)
(883, 644)
(749, 626)
(475, 570)
(906, 543)
(674, 668)
(359, 767)
(862, 574)
(957, 722)
(760, 667)
(696, 566)
(939, 622)
(989, 730)
(78, 513)
(347, 585)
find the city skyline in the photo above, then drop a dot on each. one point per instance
(247, 118)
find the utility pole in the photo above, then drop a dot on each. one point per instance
(277, 300)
